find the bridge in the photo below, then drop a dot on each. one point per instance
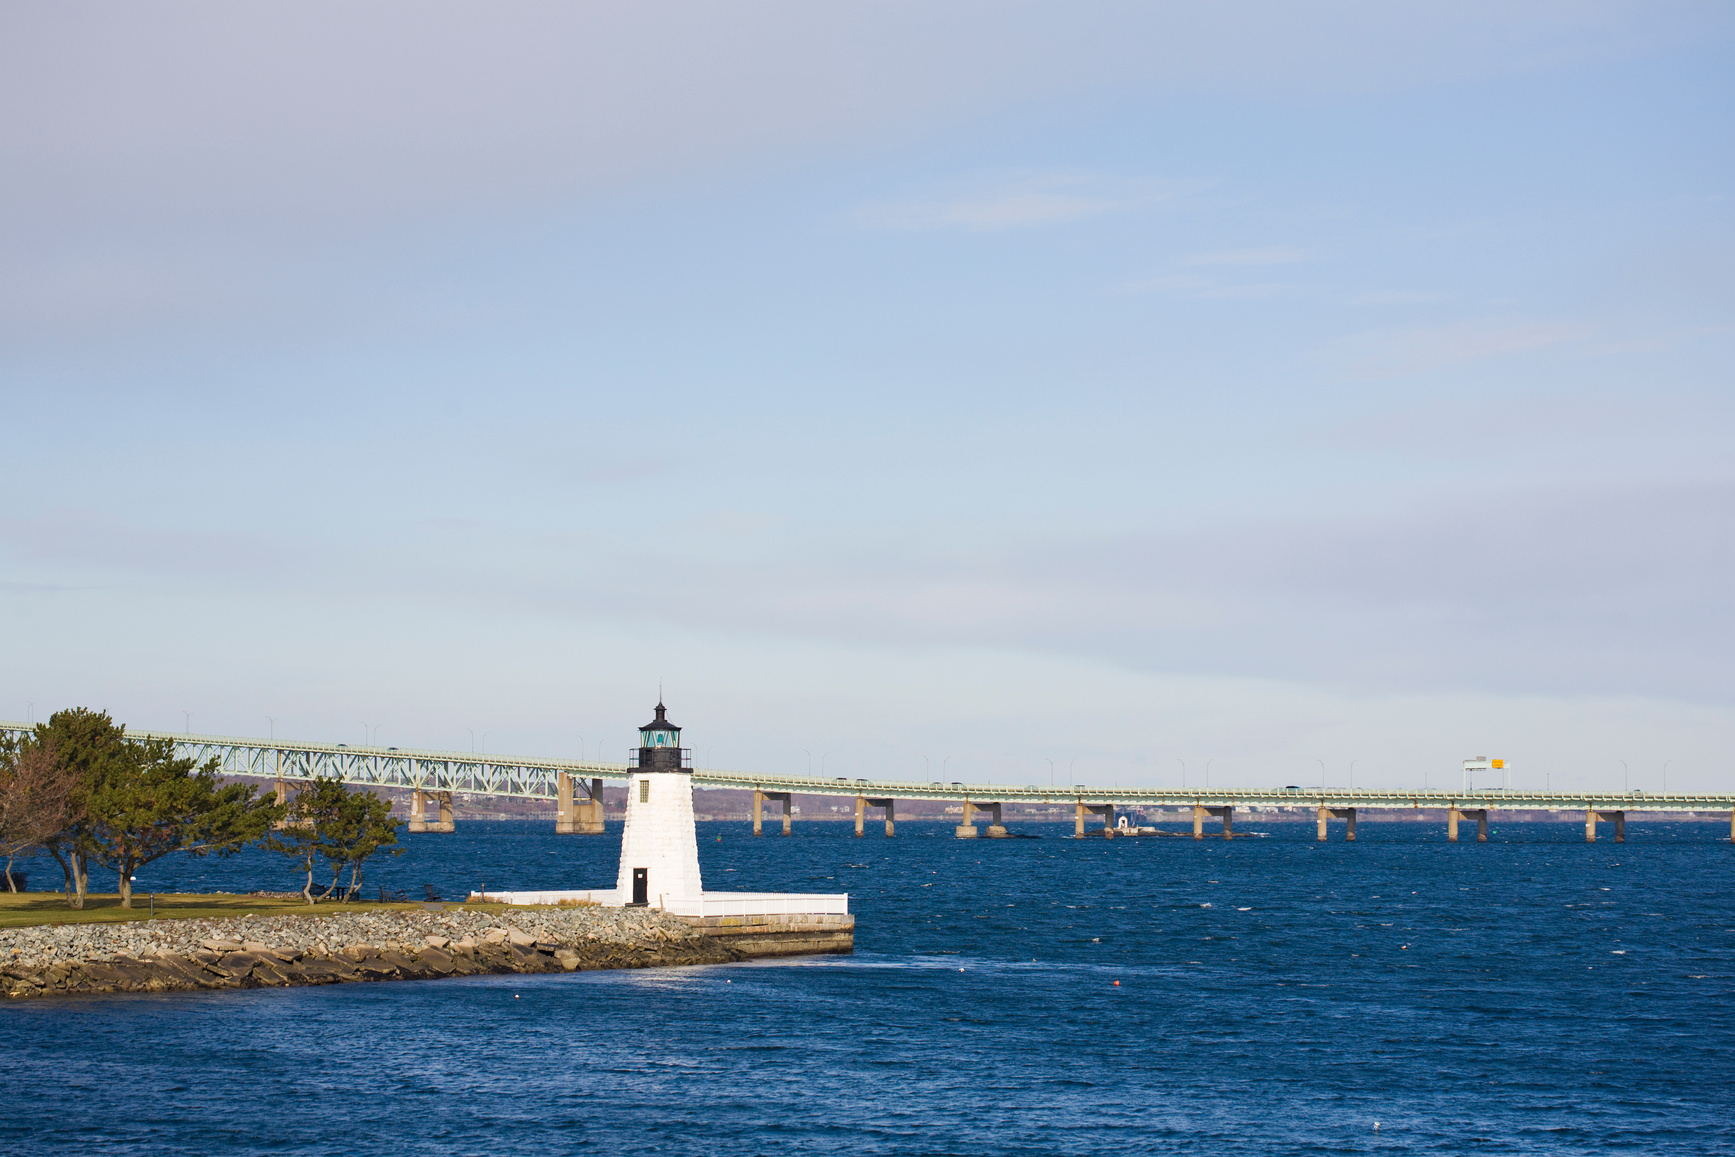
(434, 777)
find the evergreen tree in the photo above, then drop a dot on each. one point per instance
(359, 826)
(314, 814)
(88, 746)
(151, 802)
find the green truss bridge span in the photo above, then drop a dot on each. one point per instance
(434, 777)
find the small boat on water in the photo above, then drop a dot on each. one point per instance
(1124, 829)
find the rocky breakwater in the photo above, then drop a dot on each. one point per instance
(338, 947)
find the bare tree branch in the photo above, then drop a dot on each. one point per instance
(39, 800)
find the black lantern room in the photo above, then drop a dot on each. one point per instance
(660, 744)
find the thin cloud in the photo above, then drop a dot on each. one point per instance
(1022, 202)
(1653, 343)
(1417, 351)
(1396, 297)
(1169, 283)
(1501, 424)
(1244, 292)
(1269, 255)
(1192, 285)
(12, 588)
(732, 524)
(1201, 285)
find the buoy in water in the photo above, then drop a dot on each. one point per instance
(1117, 984)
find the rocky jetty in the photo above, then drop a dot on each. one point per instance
(333, 947)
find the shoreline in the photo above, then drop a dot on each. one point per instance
(194, 954)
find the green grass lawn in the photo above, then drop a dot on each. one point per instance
(21, 909)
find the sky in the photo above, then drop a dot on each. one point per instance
(1109, 393)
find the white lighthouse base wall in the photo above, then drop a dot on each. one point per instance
(659, 837)
(704, 904)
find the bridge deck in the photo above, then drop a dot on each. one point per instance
(477, 774)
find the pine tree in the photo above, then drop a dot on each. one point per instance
(151, 803)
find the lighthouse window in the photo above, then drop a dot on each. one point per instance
(644, 791)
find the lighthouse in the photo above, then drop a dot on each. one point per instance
(659, 864)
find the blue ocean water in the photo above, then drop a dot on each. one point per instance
(1533, 994)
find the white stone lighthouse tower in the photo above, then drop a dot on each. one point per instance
(659, 865)
(659, 848)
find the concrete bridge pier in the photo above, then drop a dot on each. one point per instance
(281, 788)
(1337, 813)
(1480, 815)
(562, 803)
(759, 798)
(1619, 820)
(862, 803)
(1105, 810)
(577, 812)
(419, 801)
(966, 829)
(1226, 814)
